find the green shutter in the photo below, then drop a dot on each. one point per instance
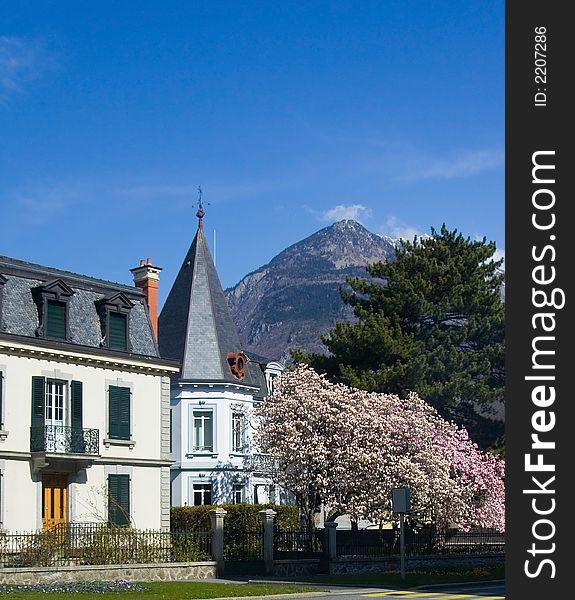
(56, 320)
(118, 331)
(119, 499)
(76, 417)
(119, 413)
(38, 400)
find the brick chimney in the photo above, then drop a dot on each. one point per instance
(146, 277)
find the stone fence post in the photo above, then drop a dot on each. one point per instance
(267, 516)
(330, 528)
(217, 520)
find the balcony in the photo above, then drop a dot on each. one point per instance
(260, 464)
(60, 444)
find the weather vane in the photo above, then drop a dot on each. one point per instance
(200, 214)
(200, 205)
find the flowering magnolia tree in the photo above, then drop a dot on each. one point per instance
(348, 448)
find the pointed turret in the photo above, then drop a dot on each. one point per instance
(195, 326)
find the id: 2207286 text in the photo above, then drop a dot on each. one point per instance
(540, 66)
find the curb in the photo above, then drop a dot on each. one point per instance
(275, 596)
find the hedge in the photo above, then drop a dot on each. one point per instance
(239, 517)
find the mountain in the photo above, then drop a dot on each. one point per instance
(294, 299)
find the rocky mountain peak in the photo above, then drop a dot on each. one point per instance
(343, 244)
(294, 299)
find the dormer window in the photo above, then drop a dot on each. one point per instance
(114, 315)
(52, 302)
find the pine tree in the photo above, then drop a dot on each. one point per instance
(430, 321)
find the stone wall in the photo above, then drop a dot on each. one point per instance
(296, 568)
(154, 572)
(342, 565)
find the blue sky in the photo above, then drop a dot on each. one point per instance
(290, 115)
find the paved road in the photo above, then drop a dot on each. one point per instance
(475, 591)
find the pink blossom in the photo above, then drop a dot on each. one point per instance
(348, 448)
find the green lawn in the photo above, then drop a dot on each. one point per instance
(413, 578)
(171, 590)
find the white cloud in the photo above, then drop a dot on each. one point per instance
(21, 60)
(354, 212)
(396, 229)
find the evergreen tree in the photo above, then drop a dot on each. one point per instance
(430, 321)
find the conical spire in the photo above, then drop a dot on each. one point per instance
(195, 326)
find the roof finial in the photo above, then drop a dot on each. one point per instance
(200, 213)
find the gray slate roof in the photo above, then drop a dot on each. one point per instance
(195, 326)
(19, 313)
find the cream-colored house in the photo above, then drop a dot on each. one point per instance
(84, 401)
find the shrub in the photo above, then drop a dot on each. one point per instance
(240, 517)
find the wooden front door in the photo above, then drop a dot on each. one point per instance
(54, 500)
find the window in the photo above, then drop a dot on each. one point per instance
(55, 319)
(119, 499)
(271, 378)
(119, 412)
(202, 494)
(272, 494)
(1, 401)
(114, 315)
(237, 493)
(56, 416)
(118, 331)
(54, 403)
(1, 498)
(203, 428)
(238, 427)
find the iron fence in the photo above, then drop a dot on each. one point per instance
(367, 542)
(243, 544)
(372, 543)
(100, 544)
(298, 543)
(97, 544)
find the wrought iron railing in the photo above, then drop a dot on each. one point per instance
(64, 439)
(100, 544)
(244, 544)
(260, 463)
(299, 543)
(373, 542)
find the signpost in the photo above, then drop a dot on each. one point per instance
(401, 503)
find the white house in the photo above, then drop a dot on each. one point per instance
(217, 388)
(84, 401)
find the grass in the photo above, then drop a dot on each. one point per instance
(189, 590)
(171, 590)
(413, 578)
